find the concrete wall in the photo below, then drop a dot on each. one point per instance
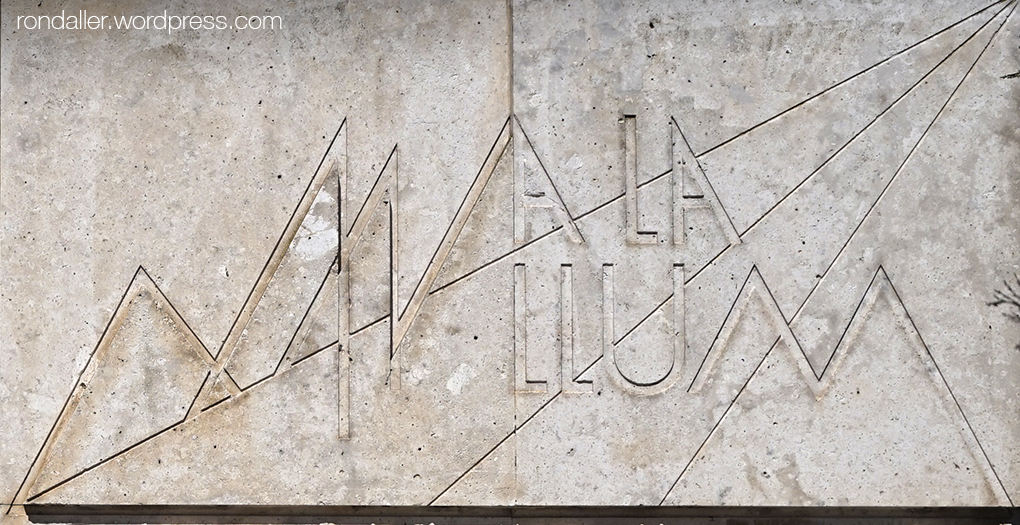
(490, 253)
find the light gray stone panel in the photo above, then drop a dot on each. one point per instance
(514, 254)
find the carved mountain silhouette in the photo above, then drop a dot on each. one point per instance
(880, 420)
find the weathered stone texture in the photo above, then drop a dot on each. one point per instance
(513, 253)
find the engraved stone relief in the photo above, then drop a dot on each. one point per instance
(551, 255)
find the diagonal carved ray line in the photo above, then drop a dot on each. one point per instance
(593, 363)
(719, 422)
(465, 207)
(547, 234)
(428, 278)
(866, 127)
(589, 367)
(68, 401)
(670, 296)
(620, 196)
(943, 377)
(308, 312)
(194, 400)
(313, 354)
(250, 303)
(898, 170)
(709, 263)
(908, 156)
(369, 325)
(547, 176)
(259, 382)
(493, 449)
(848, 79)
(707, 180)
(118, 454)
(216, 404)
(497, 259)
(156, 434)
(643, 319)
(786, 323)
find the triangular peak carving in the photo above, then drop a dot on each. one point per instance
(146, 352)
(755, 292)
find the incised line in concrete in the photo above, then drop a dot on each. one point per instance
(949, 389)
(308, 312)
(661, 304)
(719, 422)
(87, 469)
(160, 432)
(493, 449)
(868, 126)
(369, 205)
(191, 407)
(848, 79)
(900, 168)
(428, 278)
(276, 257)
(369, 325)
(721, 326)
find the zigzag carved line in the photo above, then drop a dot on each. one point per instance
(755, 285)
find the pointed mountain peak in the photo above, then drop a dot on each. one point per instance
(803, 449)
(141, 379)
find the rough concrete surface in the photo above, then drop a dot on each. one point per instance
(491, 253)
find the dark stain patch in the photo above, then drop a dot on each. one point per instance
(176, 51)
(1008, 298)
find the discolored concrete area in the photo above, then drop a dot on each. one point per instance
(511, 255)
